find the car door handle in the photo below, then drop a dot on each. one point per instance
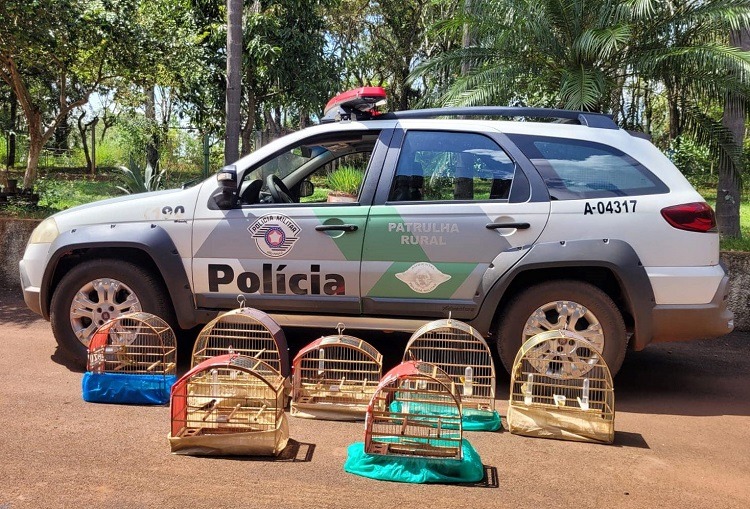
(337, 227)
(517, 226)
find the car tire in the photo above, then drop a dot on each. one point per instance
(96, 291)
(575, 305)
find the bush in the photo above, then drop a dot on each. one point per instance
(345, 180)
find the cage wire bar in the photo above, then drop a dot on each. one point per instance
(131, 359)
(229, 405)
(245, 331)
(335, 377)
(393, 427)
(561, 388)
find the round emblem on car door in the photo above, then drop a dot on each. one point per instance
(274, 234)
(423, 277)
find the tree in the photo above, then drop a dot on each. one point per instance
(730, 177)
(68, 48)
(234, 80)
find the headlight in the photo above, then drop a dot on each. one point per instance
(46, 232)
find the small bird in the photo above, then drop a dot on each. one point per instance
(209, 405)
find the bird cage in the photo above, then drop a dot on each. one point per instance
(413, 430)
(415, 411)
(131, 359)
(561, 388)
(460, 351)
(335, 377)
(244, 331)
(229, 405)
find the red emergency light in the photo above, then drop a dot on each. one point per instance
(355, 104)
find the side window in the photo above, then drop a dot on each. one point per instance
(574, 169)
(325, 168)
(447, 166)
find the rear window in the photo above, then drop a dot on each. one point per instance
(574, 169)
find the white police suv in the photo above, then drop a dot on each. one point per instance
(515, 227)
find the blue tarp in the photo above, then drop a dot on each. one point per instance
(415, 469)
(127, 388)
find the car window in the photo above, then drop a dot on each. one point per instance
(334, 164)
(574, 169)
(446, 166)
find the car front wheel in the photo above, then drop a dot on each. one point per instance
(96, 291)
(572, 305)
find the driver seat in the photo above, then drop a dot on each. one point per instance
(251, 194)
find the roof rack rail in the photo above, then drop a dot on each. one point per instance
(598, 120)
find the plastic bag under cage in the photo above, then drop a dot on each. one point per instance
(561, 388)
(131, 360)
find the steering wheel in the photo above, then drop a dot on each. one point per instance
(279, 192)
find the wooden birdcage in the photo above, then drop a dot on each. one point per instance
(561, 388)
(131, 359)
(415, 411)
(229, 405)
(335, 378)
(244, 331)
(460, 351)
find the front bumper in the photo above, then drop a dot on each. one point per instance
(682, 322)
(31, 293)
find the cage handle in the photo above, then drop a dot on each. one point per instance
(241, 301)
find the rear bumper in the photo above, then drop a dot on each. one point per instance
(682, 322)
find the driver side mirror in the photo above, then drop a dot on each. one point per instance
(227, 178)
(306, 188)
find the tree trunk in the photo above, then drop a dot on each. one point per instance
(62, 131)
(83, 130)
(36, 144)
(152, 146)
(12, 136)
(234, 81)
(249, 127)
(728, 188)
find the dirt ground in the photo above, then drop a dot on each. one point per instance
(682, 422)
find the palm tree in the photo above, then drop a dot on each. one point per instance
(607, 55)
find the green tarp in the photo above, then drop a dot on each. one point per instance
(415, 469)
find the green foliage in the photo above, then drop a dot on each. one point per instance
(137, 181)
(345, 179)
(57, 194)
(694, 160)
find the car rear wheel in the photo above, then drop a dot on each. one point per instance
(572, 305)
(96, 291)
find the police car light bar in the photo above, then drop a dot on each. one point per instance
(355, 104)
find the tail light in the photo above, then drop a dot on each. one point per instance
(693, 217)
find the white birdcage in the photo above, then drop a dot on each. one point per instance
(415, 411)
(131, 359)
(244, 331)
(460, 351)
(229, 405)
(561, 388)
(335, 377)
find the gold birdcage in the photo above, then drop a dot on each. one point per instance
(415, 411)
(245, 331)
(335, 377)
(460, 351)
(131, 359)
(229, 405)
(561, 388)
